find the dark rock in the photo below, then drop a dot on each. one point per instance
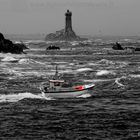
(52, 47)
(117, 46)
(22, 45)
(133, 48)
(137, 49)
(7, 46)
(1, 37)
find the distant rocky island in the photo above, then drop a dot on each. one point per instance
(65, 34)
(7, 46)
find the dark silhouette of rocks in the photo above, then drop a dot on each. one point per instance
(7, 46)
(128, 49)
(133, 48)
(1, 37)
(117, 46)
(65, 34)
(137, 49)
(53, 47)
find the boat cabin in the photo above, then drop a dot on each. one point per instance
(56, 84)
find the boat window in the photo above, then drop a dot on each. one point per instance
(57, 84)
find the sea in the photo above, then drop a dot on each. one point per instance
(111, 111)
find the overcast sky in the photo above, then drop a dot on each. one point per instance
(90, 17)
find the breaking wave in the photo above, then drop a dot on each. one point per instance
(84, 69)
(109, 62)
(105, 61)
(84, 96)
(135, 76)
(20, 96)
(105, 72)
(9, 59)
(117, 81)
(28, 61)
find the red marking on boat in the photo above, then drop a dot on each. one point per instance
(78, 87)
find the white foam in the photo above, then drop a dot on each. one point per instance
(117, 81)
(105, 72)
(92, 64)
(135, 76)
(84, 96)
(98, 80)
(16, 56)
(20, 96)
(105, 61)
(23, 61)
(109, 62)
(84, 69)
(34, 41)
(66, 71)
(9, 59)
(28, 61)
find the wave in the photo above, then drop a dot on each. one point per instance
(84, 96)
(84, 69)
(105, 61)
(29, 61)
(98, 80)
(135, 76)
(24, 61)
(109, 62)
(20, 96)
(117, 81)
(4, 55)
(9, 59)
(105, 72)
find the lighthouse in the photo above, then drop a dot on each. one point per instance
(68, 21)
(67, 32)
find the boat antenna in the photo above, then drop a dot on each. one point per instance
(56, 73)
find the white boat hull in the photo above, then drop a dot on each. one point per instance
(68, 94)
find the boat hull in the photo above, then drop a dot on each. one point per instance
(67, 94)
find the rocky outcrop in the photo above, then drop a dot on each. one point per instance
(7, 46)
(62, 35)
(117, 46)
(65, 34)
(52, 47)
(137, 49)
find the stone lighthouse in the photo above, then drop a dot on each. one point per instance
(68, 20)
(65, 34)
(69, 33)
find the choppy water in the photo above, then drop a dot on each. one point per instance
(110, 112)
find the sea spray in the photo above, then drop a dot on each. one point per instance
(29, 61)
(84, 96)
(20, 96)
(105, 72)
(117, 81)
(9, 59)
(135, 75)
(84, 69)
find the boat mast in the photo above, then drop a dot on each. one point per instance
(56, 73)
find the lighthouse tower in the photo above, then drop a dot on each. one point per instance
(68, 21)
(69, 33)
(65, 34)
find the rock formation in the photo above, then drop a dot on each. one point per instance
(7, 46)
(53, 47)
(117, 46)
(64, 34)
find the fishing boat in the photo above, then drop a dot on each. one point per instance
(57, 88)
